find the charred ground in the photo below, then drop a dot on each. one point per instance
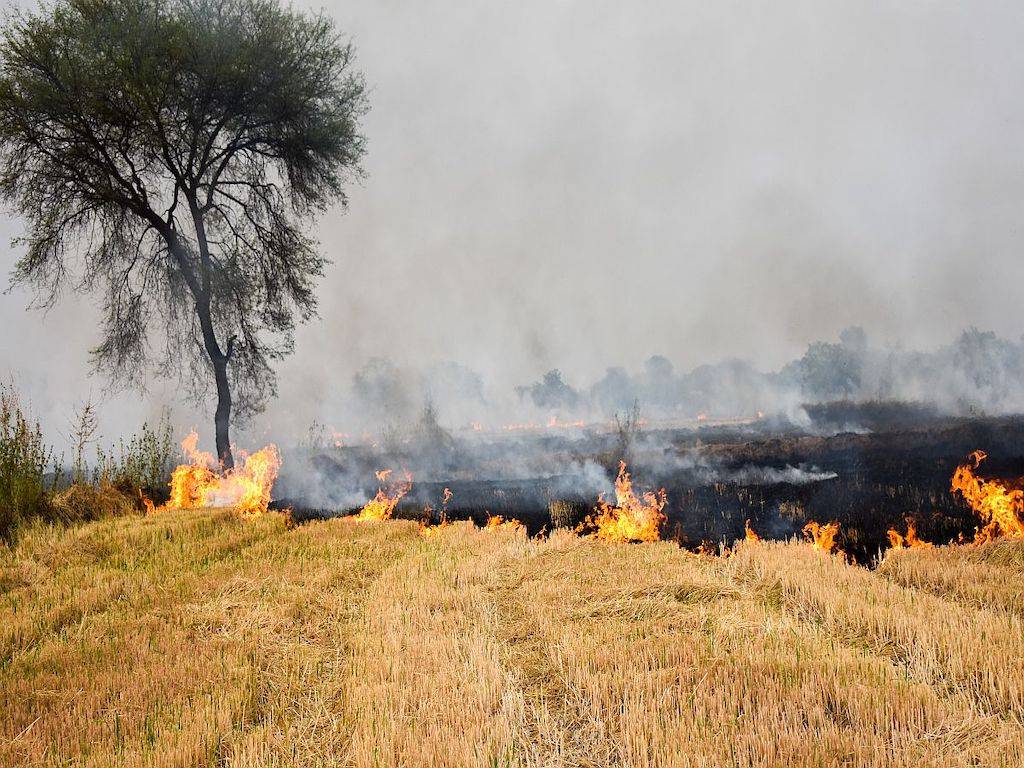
(891, 463)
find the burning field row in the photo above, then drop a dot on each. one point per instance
(632, 516)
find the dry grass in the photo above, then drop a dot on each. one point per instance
(988, 576)
(82, 502)
(198, 639)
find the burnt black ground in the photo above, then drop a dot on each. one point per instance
(899, 470)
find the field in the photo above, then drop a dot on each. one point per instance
(197, 638)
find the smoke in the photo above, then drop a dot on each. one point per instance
(847, 385)
(665, 454)
(752, 475)
(589, 184)
(316, 482)
(322, 478)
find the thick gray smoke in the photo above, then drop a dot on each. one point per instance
(586, 184)
(977, 374)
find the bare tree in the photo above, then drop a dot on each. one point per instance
(167, 154)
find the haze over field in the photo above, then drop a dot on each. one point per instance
(578, 185)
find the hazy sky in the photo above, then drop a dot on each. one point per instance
(580, 184)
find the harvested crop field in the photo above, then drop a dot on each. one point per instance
(203, 639)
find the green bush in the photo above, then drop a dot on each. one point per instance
(24, 459)
(134, 469)
(142, 462)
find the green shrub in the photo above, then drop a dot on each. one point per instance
(24, 459)
(143, 462)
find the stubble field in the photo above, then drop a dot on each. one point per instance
(197, 638)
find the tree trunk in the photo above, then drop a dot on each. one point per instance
(222, 418)
(219, 359)
(200, 288)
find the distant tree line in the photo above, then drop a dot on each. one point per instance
(978, 373)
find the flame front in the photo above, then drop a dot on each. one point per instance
(498, 523)
(999, 507)
(246, 487)
(382, 506)
(749, 533)
(632, 517)
(909, 541)
(429, 531)
(823, 537)
(426, 529)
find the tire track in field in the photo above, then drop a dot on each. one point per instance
(304, 658)
(558, 726)
(424, 685)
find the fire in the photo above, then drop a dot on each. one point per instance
(631, 518)
(498, 523)
(823, 537)
(899, 541)
(528, 425)
(999, 507)
(382, 506)
(428, 531)
(706, 549)
(555, 423)
(246, 487)
(749, 533)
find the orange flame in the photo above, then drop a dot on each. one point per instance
(520, 427)
(428, 531)
(899, 541)
(555, 423)
(552, 423)
(999, 507)
(749, 533)
(706, 549)
(382, 506)
(498, 523)
(631, 518)
(823, 537)
(246, 487)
